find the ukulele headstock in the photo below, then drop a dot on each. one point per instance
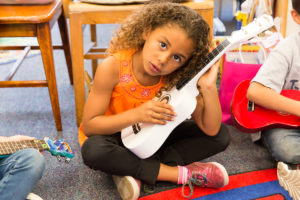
(259, 25)
(60, 148)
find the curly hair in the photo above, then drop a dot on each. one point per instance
(157, 14)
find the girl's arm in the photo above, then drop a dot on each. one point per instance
(208, 110)
(94, 120)
(268, 98)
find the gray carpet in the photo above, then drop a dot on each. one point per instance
(28, 111)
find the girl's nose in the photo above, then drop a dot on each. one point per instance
(163, 58)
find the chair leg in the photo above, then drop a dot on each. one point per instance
(45, 42)
(94, 39)
(66, 44)
(94, 66)
(76, 36)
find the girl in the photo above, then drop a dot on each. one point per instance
(154, 48)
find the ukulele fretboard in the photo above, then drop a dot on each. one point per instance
(212, 55)
(7, 148)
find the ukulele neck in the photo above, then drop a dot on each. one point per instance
(11, 147)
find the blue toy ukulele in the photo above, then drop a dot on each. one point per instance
(59, 148)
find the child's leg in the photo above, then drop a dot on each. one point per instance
(187, 144)
(107, 153)
(284, 144)
(19, 173)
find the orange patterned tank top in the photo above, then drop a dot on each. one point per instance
(128, 93)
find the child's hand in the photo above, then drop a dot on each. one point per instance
(19, 138)
(155, 112)
(210, 77)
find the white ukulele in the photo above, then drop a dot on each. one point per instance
(144, 139)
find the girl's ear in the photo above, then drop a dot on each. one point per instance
(296, 16)
(146, 34)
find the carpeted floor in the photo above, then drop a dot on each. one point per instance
(28, 111)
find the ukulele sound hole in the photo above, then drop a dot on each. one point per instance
(165, 97)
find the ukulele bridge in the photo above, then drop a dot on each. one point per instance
(136, 128)
(250, 106)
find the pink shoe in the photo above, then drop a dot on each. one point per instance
(128, 187)
(211, 174)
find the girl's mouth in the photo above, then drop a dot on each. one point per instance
(154, 68)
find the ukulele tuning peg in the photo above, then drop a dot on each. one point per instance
(59, 158)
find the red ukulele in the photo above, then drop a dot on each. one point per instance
(250, 118)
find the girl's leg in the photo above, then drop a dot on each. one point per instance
(19, 173)
(187, 144)
(107, 153)
(284, 144)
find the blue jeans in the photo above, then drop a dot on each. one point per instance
(284, 144)
(19, 173)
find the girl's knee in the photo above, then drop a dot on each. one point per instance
(91, 154)
(224, 137)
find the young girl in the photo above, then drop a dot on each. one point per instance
(154, 48)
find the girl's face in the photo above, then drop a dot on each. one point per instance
(166, 49)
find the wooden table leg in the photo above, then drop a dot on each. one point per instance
(66, 44)
(45, 42)
(76, 36)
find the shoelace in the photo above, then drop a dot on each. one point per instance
(196, 179)
(148, 189)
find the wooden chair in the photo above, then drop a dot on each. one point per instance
(37, 21)
(92, 14)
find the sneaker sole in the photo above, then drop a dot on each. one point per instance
(32, 196)
(224, 172)
(289, 180)
(127, 187)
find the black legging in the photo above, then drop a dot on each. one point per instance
(186, 144)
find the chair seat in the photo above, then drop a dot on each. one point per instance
(88, 7)
(28, 13)
(114, 2)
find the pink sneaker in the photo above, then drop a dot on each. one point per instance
(128, 187)
(211, 174)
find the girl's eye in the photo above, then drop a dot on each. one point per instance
(176, 58)
(163, 45)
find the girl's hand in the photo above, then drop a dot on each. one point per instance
(210, 77)
(19, 138)
(155, 112)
